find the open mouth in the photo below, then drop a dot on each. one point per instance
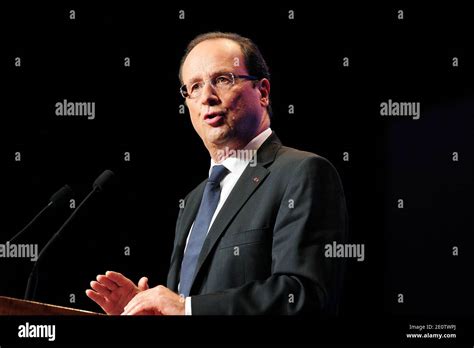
(214, 119)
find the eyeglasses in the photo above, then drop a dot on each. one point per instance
(222, 82)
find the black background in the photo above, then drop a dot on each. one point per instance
(337, 109)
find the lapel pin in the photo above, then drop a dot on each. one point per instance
(256, 179)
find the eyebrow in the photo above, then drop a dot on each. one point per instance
(217, 73)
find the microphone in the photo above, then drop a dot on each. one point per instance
(59, 198)
(102, 181)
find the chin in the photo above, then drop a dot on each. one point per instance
(218, 135)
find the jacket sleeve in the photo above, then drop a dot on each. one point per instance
(312, 213)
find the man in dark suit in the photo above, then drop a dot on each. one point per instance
(250, 238)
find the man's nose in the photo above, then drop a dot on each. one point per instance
(209, 95)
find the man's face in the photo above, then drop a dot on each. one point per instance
(222, 118)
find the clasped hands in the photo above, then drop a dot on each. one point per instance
(118, 295)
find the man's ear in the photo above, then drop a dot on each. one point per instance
(264, 89)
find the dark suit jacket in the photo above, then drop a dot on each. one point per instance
(264, 253)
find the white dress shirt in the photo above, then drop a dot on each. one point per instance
(236, 164)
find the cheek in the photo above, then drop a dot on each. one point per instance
(193, 118)
(193, 113)
(196, 124)
(242, 105)
(236, 104)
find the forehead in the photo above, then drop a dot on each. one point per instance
(212, 56)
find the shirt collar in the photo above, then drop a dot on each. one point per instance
(239, 159)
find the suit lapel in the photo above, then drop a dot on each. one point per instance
(250, 180)
(189, 214)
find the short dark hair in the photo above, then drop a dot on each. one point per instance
(253, 59)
